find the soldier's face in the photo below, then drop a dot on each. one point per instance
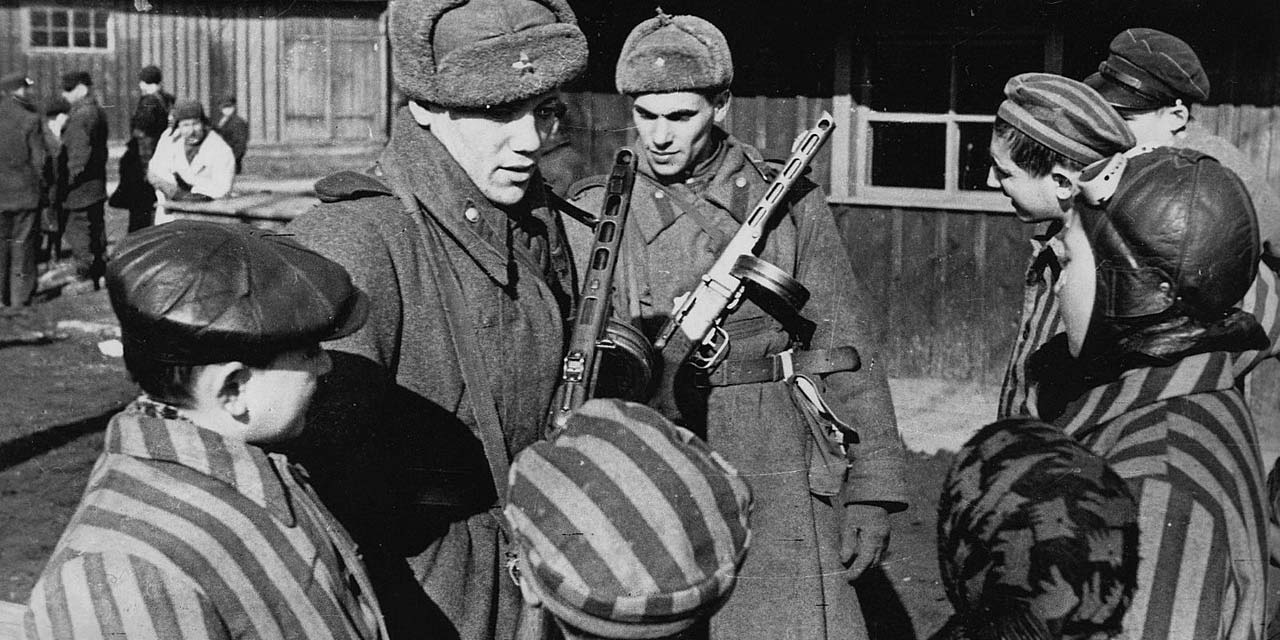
(674, 127)
(497, 147)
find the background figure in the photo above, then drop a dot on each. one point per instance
(149, 121)
(626, 526)
(561, 164)
(192, 162)
(85, 140)
(53, 215)
(22, 191)
(233, 129)
(1037, 538)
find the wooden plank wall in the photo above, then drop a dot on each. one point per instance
(206, 51)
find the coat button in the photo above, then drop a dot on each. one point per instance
(741, 182)
(472, 214)
(658, 195)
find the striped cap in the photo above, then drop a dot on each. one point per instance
(628, 526)
(1064, 115)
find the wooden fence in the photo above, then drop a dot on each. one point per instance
(306, 74)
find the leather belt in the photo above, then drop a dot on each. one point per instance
(781, 366)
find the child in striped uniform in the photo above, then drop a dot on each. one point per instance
(1160, 250)
(1047, 129)
(626, 526)
(190, 527)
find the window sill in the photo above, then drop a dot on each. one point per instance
(928, 199)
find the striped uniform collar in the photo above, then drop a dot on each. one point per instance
(1138, 388)
(150, 430)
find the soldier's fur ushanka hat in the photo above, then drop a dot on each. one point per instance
(666, 54)
(473, 54)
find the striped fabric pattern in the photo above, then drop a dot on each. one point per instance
(183, 533)
(1183, 439)
(627, 522)
(1041, 321)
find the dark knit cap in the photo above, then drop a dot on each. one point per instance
(472, 54)
(227, 101)
(1149, 69)
(14, 81)
(1064, 115)
(1179, 229)
(73, 78)
(1037, 537)
(188, 110)
(628, 526)
(150, 74)
(55, 105)
(666, 53)
(192, 293)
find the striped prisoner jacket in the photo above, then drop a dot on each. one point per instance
(1041, 321)
(183, 533)
(1182, 438)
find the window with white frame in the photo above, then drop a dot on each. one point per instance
(923, 115)
(61, 29)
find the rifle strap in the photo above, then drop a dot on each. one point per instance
(488, 426)
(692, 206)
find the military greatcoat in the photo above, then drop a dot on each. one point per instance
(394, 444)
(793, 584)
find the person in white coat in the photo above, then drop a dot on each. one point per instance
(192, 162)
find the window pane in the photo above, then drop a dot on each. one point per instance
(39, 38)
(908, 155)
(100, 19)
(984, 66)
(58, 39)
(975, 161)
(910, 76)
(39, 18)
(82, 39)
(80, 19)
(100, 38)
(59, 18)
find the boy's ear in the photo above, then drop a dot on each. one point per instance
(231, 378)
(1066, 182)
(1176, 117)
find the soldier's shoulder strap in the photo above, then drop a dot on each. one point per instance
(576, 191)
(351, 185)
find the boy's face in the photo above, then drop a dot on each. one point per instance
(1077, 285)
(1035, 198)
(1155, 128)
(277, 395)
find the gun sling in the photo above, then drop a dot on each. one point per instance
(775, 367)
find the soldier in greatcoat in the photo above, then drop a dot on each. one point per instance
(85, 140)
(468, 271)
(819, 522)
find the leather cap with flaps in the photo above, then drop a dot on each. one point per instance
(1180, 230)
(192, 293)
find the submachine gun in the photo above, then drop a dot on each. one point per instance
(600, 341)
(693, 334)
